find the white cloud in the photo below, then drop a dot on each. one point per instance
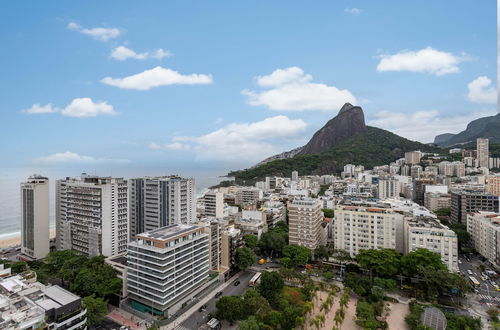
(68, 157)
(423, 126)
(293, 90)
(122, 53)
(98, 33)
(353, 11)
(481, 91)
(239, 141)
(427, 60)
(79, 107)
(155, 77)
(38, 109)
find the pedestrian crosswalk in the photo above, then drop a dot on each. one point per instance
(483, 296)
(180, 327)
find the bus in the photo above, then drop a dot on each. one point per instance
(255, 279)
(474, 282)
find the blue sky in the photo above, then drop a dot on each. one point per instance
(225, 84)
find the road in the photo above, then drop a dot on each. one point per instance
(198, 318)
(485, 291)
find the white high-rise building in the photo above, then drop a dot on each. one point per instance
(92, 215)
(156, 202)
(167, 267)
(214, 204)
(483, 152)
(304, 219)
(388, 188)
(484, 230)
(359, 227)
(428, 233)
(35, 217)
(295, 176)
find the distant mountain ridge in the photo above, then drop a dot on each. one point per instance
(344, 139)
(486, 127)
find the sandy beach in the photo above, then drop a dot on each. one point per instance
(16, 240)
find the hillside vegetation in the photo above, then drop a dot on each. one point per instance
(373, 148)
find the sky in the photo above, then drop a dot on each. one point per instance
(225, 84)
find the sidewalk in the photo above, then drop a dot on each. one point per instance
(179, 320)
(125, 318)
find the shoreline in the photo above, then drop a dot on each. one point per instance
(15, 239)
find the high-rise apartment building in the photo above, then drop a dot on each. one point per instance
(366, 227)
(484, 229)
(167, 267)
(156, 202)
(388, 188)
(436, 200)
(428, 233)
(214, 204)
(413, 157)
(419, 189)
(295, 176)
(416, 171)
(305, 220)
(494, 185)
(483, 152)
(92, 215)
(464, 202)
(35, 217)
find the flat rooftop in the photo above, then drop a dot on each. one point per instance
(167, 232)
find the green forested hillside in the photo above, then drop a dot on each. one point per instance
(373, 148)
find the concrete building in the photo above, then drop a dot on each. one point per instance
(428, 233)
(388, 188)
(248, 196)
(435, 201)
(419, 189)
(167, 267)
(483, 152)
(119, 263)
(35, 217)
(214, 204)
(232, 239)
(359, 227)
(413, 157)
(494, 185)
(464, 202)
(305, 220)
(484, 229)
(92, 215)
(295, 176)
(156, 202)
(252, 223)
(416, 171)
(27, 304)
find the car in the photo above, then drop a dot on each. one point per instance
(218, 294)
(202, 308)
(459, 261)
(469, 271)
(236, 283)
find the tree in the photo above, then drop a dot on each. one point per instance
(328, 213)
(255, 304)
(270, 285)
(385, 283)
(321, 253)
(245, 257)
(328, 276)
(287, 263)
(273, 241)
(249, 324)
(384, 262)
(411, 262)
(96, 309)
(230, 308)
(299, 255)
(444, 212)
(359, 284)
(250, 241)
(18, 267)
(96, 278)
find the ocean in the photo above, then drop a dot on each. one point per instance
(10, 179)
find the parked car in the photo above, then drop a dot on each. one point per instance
(218, 294)
(202, 308)
(237, 282)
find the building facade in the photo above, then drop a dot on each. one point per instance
(483, 152)
(166, 267)
(305, 220)
(388, 188)
(484, 229)
(464, 202)
(35, 217)
(156, 202)
(494, 185)
(92, 215)
(214, 204)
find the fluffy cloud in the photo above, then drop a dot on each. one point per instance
(481, 91)
(38, 109)
(427, 60)
(79, 107)
(122, 53)
(98, 33)
(241, 141)
(353, 11)
(69, 157)
(423, 126)
(291, 89)
(155, 77)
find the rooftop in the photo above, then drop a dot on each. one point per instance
(169, 231)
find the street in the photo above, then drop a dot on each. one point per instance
(486, 291)
(198, 318)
